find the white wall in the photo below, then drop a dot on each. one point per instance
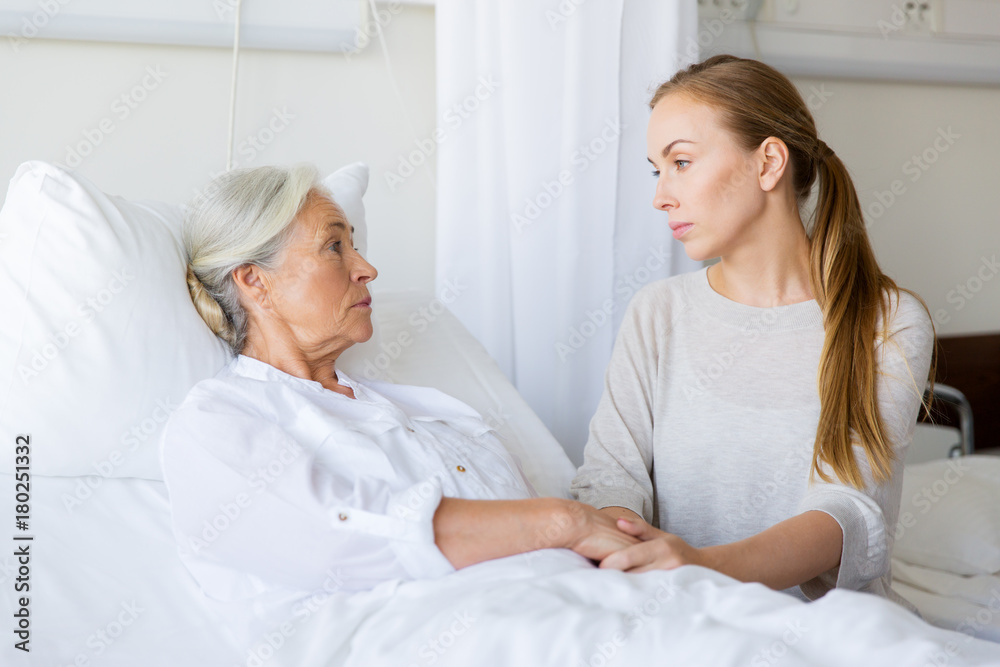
(932, 237)
(55, 93)
(940, 235)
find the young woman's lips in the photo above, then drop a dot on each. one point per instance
(681, 229)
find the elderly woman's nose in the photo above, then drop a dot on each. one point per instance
(363, 272)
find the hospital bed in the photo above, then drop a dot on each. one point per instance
(108, 589)
(948, 568)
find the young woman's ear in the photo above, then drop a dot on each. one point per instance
(773, 160)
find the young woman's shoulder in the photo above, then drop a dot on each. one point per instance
(667, 294)
(658, 307)
(908, 317)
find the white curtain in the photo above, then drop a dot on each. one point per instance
(545, 224)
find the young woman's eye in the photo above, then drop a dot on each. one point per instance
(682, 166)
(656, 173)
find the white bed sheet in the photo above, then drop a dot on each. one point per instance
(969, 604)
(110, 561)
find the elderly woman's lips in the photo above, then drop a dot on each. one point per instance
(364, 303)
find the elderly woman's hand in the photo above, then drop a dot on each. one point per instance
(593, 533)
(657, 550)
(471, 531)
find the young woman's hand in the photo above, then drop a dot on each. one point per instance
(657, 550)
(594, 534)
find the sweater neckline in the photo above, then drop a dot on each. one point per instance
(802, 315)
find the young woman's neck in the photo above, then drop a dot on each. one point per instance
(770, 267)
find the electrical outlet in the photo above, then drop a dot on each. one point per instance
(739, 10)
(920, 16)
(789, 6)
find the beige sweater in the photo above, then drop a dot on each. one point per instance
(708, 419)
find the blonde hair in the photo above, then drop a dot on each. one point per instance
(244, 219)
(755, 102)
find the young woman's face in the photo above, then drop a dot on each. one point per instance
(707, 184)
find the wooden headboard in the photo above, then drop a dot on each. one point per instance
(971, 364)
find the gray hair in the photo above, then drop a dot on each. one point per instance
(245, 218)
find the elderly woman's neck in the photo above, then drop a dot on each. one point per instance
(316, 366)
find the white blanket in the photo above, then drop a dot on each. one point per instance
(554, 608)
(109, 591)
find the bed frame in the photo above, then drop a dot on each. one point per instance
(967, 382)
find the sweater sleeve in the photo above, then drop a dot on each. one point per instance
(867, 517)
(618, 457)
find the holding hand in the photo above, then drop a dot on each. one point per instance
(656, 550)
(593, 534)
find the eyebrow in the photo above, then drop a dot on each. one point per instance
(666, 151)
(330, 226)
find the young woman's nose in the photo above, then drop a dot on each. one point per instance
(663, 200)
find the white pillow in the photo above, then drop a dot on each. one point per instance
(99, 340)
(949, 516)
(348, 185)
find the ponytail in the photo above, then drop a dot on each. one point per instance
(855, 296)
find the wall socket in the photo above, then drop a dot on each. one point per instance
(739, 10)
(919, 16)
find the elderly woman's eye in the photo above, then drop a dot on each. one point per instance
(336, 246)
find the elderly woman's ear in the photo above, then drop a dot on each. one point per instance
(253, 285)
(244, 221)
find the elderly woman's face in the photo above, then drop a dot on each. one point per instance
(319, 292)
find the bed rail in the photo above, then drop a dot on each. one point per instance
(960, 405)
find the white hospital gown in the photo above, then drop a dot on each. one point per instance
(278, 484)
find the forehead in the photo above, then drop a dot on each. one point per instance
(320, 216)
(680, 117)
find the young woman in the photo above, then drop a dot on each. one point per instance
(756, 413)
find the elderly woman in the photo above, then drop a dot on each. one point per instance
(282, 470)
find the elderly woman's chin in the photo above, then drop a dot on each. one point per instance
(366, 333)
(363, 330)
